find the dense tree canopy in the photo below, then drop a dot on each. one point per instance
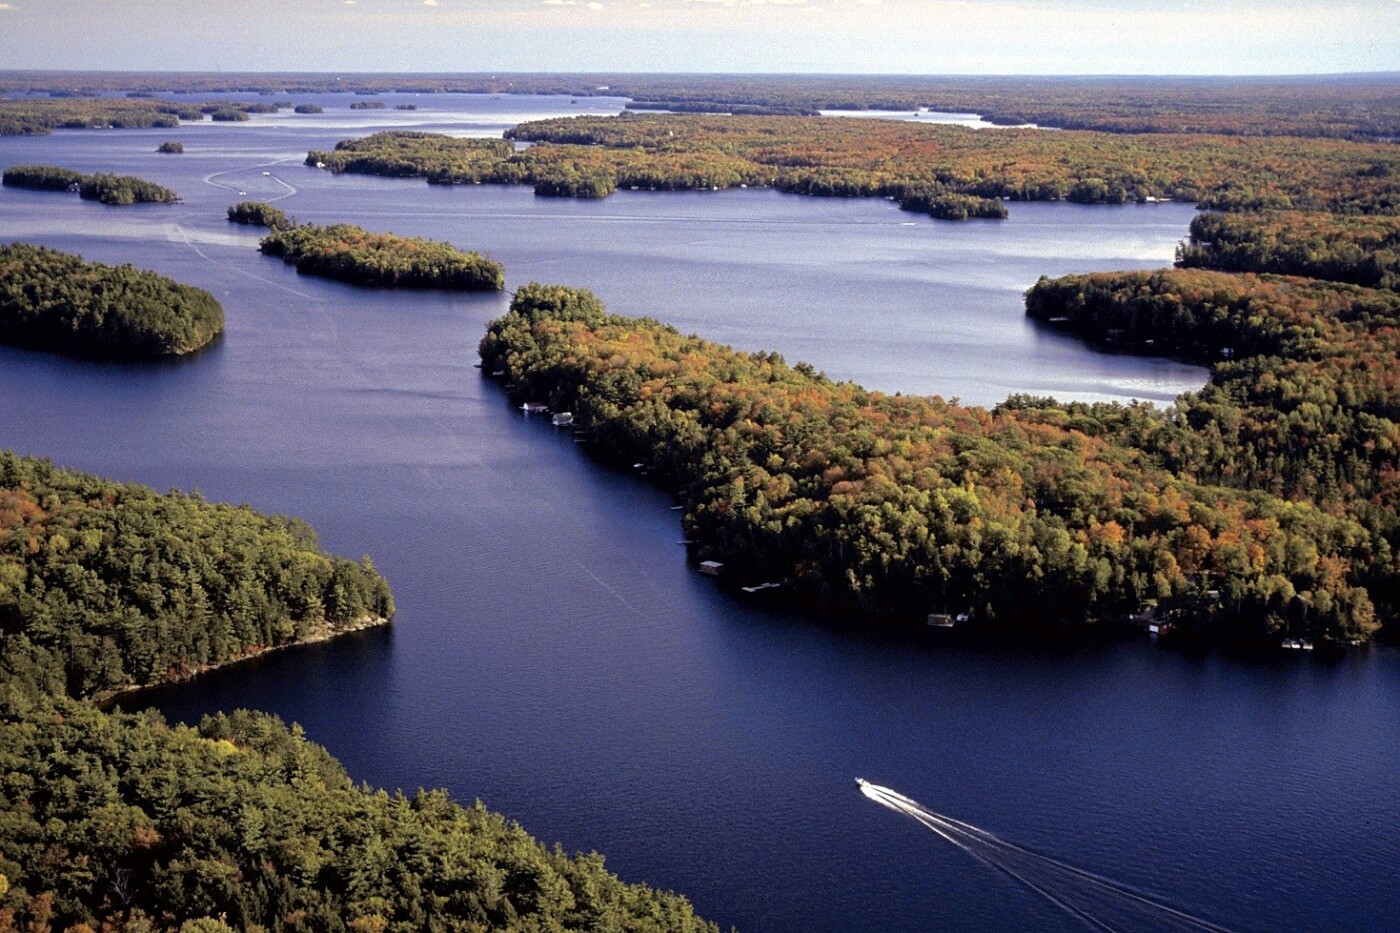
(57, 301)
(1341, 248)
(259, 214)
(124, 189)
(911, 505)
(1304, 404)
(352, 254)
(892, 158)
(123, 823)
(105, 586)
(938, 168)
(42, 178)
(109, 189)
(35, 117)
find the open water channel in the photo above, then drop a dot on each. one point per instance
(555, 656)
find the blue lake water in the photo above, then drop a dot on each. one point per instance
(554, 655)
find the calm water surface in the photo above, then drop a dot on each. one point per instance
(554, 656)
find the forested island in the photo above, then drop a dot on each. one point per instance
(103, 187)
(361, 257)
(947, 171)
(51, 300)
(32, 117)
(259, 214)
(122, 822)
(902, 505)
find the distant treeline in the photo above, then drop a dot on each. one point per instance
(109, 189)
(945, 170)
(894, 504)
(1352, 106)
(361, 257)
(31, 116)
(57, 301)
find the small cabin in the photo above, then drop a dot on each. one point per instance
(940, 620)
(711, 567)
(563, 419)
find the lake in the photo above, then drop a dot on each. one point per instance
(555, 656)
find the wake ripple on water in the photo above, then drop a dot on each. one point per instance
(1098, 902)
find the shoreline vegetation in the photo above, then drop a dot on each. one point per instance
(317, 633)
(38, 116)
(107, 586)
(259, 214)
(904, 506)
(1358, 106)
(60, 302)
(946, 171)
(120, 821)
(352, 254)
(117, 190)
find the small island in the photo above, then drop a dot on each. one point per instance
(308, 108)
(172, 147)
(367, 105)
(361, 257)
(259, 214)
(108, 189)
(56, 301)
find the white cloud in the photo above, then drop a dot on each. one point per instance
(5, 6)
(430, 2)
(595, 5)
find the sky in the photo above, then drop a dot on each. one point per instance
(854, 36)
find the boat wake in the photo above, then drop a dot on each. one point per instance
(1098, 902)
